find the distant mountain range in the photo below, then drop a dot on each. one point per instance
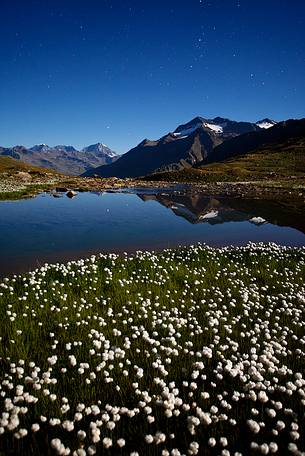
(63, 159)
(189, 144)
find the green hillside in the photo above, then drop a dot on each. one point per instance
(276, 162)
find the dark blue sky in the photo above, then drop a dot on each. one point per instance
(78, 72)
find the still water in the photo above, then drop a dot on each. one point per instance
(48, 229)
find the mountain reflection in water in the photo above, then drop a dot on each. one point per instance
(199, 208)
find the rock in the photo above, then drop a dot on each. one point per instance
(71, 194)
(57, 195)
(61, 189)
(24, 176)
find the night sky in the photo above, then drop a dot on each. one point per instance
(79, 72)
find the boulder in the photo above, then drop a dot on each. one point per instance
(71, 194)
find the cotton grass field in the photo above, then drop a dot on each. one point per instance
(194, 351)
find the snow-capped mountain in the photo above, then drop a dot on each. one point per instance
(187, 129)
(40, 148)
(62, 158)
(100, 148)
(266, 123)
(219, 125)
(198, 122)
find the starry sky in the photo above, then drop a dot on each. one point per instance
(79, 72)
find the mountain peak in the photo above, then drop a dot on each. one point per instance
(40, 148)
(220, 120)
(266, 123)
(189, 127)
(99, 148)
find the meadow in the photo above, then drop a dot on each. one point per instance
(193, 351)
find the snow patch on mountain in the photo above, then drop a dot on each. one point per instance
(266, 123)
(216, 128)
(188, 131)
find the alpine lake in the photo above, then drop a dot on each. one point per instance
(52, 228)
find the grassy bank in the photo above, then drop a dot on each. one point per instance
(25, 192)
(192, 351)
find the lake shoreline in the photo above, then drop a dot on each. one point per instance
(26, 185)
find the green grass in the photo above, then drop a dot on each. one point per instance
(227, 322)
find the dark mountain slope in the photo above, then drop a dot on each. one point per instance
(166, 154)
